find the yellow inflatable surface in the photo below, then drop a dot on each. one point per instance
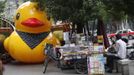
(26, 44)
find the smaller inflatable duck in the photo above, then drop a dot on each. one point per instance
(26, 44)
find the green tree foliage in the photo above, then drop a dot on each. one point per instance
(115, 8)
(2, 6)
(64, 9)
(119, 8)
(71, 10)
(81, 11)
(129, 4)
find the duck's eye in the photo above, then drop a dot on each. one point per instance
(18, 16)
(48, 17)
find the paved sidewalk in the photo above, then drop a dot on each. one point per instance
(36, 69)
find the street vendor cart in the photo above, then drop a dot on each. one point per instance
(74, 57)
(70, 57)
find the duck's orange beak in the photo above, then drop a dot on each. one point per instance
(32, 22)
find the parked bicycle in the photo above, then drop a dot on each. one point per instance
(51, 55)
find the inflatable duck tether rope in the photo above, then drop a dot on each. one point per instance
(32, 40)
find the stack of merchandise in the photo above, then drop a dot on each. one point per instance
(96, 61)
(97, 49)
(96, 64)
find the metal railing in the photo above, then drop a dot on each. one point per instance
(6, 24)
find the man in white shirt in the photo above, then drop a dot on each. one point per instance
(120, 47)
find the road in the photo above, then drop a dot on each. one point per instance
(36, 69)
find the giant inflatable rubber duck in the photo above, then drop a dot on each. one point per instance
(32, 31)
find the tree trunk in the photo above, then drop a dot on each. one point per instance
(80, 28)
(102, 31)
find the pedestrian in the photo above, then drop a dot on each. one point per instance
(120, 47)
